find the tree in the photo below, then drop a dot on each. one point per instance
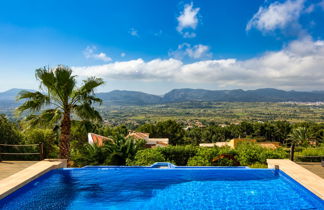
(165, 129)
(59, 99)
(298, 136)
(115, 152)
(170, 129)
(45, 136)
(9, 133)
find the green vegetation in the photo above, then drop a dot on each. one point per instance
(59, 99)
(146, 157)
(188, 113)
(112, 153)
(246, 154)
(61, 115)
(124, 151)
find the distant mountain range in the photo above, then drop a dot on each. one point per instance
(124, 97)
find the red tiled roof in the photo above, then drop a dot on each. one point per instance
(138, 135)
(97, 139)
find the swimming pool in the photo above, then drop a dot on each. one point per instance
(167, 188)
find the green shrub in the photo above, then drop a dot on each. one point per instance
(258, 165)
(45, 136)
(178, 155)
(272, 154)
(309, 158)
(90, 155)
(310, 154)
(146, 157)
(318, 151)
(225, 156)
(250, 153)
(199, 161)
(203, 157)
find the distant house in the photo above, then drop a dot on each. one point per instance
(138, 135)
(150, 142)
(97, 139)
(233, 143)
(217, 144)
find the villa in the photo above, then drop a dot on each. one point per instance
(150, 142)
(97, 139)
(233, 143)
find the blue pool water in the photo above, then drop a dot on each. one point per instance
(153, 188)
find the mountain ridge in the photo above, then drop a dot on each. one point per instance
(126, 97)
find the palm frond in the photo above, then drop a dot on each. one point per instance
(47, 117)
(34, 101)
(86, 112)
(58, 82)
(86, 91)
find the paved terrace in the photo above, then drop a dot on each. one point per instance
(13, 182)
(314, 167)
(8, 168)
(309, 180)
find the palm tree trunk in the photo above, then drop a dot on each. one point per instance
(65, 135)
(292, 152)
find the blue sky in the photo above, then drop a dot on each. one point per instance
(154, 46)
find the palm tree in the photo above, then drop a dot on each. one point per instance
(58, 99)
(298, 136)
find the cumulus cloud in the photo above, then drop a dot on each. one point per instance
(133, 32)
(122, 54)
(299, 65)
(91, 53)
(188, 20)
(276, 16)
(196, 52)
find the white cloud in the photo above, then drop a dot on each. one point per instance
(195, 52)
(122, 54)
(188, 20)
(133, 32)
(276, 16)
(297, 66)
(90, 52)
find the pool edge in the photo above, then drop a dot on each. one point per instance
(14, 182)
(304, 177)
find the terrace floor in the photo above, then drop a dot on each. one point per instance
(8, 168)
(316, 168)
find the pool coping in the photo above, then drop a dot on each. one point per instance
(309, 180)
(23, 177)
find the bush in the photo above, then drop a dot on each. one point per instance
(9, 133)
(112, 153)
(272, 154)
(178, 155)
(203, 157)
(318, 151)
(250, 153)
(309, 158)
(90, 155)
(258, 165)
(146, 157)
(226, 157)
(311, 154)
(223, 156)
(45, 136)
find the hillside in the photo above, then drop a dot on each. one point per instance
(126, 98)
